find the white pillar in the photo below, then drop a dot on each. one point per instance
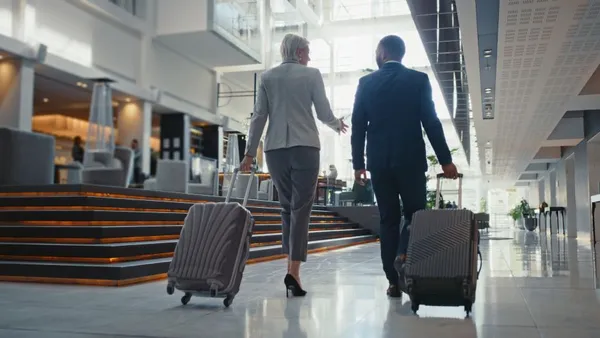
(16, 93)
(553, 202)
(134, 121)
(571, 204)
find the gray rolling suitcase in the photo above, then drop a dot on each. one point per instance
(441, 267)
(213, 248)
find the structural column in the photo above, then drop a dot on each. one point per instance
(571, 198)
(16, 93)
(553, 200)
(134, 121)
(175, 137)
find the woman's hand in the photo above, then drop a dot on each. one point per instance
(343, 126)
(246, 164)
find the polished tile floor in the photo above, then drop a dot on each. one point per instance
(531, 286)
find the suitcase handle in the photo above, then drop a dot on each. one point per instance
(438, 190)
(236, 172)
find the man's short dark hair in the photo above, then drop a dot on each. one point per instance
(393, 46)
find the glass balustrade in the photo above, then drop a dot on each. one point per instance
(241, 21)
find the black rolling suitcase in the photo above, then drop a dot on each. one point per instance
(441, 267)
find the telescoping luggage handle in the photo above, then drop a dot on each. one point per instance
(439, 187)
(236, 172)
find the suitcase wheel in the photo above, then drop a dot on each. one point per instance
(414, 307)
(228, 300)
(170, 289)
(186, 298)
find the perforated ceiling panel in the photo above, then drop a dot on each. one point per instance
(548, 49)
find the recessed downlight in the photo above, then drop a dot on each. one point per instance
(488, 90)
(45, 100)
(487, 53)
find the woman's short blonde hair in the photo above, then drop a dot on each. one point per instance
(290, 45)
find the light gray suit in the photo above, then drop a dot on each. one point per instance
(285, 98)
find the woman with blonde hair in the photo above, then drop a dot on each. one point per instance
(285, 98)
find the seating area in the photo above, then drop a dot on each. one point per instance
(111, 236)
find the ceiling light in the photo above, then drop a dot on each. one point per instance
(127, 99)
(46, 100)
(487, 53)
(488, 90)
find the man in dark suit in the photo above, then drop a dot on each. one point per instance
(390, 106)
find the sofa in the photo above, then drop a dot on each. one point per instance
(27, 158)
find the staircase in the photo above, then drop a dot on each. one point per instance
(81, 234)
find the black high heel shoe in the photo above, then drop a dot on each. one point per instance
(291, 284)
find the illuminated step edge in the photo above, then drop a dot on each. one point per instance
(128, 273)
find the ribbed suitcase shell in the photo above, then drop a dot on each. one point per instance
(441, 267)
(213, 248)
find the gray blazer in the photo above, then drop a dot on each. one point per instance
(285, 97)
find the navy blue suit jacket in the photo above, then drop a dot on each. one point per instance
(390, 106)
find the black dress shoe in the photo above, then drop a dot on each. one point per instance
(394, 292)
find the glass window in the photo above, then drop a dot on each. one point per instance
(320, 53)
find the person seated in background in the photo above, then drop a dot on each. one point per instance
(333, 173)
(77, 150)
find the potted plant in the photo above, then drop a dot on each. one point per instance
(433, 161)
(523, 216)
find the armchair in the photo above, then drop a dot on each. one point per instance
(207, 172)
(265, 190)
(171, 175)
(107, 169)
(26, 158)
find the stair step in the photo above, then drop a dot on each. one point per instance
(119, 252)
(87, 190)
(113, 274)
(108, 203)
(116, 234)
(90, 217)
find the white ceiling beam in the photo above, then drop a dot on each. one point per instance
(307, 13)
(547, 155)
(584, 102)
(244, 68)
(467, 17)
(331, 30)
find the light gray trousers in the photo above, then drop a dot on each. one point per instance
(295, 172)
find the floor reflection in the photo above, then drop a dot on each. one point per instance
(531, 285)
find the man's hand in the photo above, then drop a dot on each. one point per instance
(450, 171)
(343, 126)
(246, 164)
(360, 176)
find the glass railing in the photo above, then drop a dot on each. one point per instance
(241, 20)
(316, 6)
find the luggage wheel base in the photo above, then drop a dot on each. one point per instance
(188, 296)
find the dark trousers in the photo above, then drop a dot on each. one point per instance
(137, 175)
(391, 185)
(295, 173)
